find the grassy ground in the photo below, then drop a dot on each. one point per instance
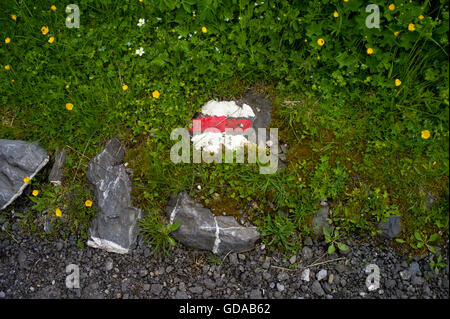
(356, 136)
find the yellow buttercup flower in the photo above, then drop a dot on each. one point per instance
(421, 17)
(58, 212)
(26, 179)
(67, 86)
(320, 42)
(396, 33)
(411, 27)
(155, 94)
(14, 17)
(345, 0)
(7, 40)
(425, 134)
(125, 87)
(35, 193)
(392, 7)
(53, 7)
(51, 40)
(88, 203)
(69, 106)
(335, 14)
(44, 30)
(369, 51)
(398, 82)
(204, 30)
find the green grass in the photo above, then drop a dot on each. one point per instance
(354, 137)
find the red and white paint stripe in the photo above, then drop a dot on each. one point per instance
(210, 130)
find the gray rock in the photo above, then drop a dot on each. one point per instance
(317, 288)
(181, 295)
(405, 275)
(321, 274)
(156, 289)
(18, 160)
(201, 229)
(282, 276)
(417, 280)
(55, 176)
(305, 275)
(280, 287)
(320, 221)
(414, 268)
(307, 253)
(109, 264)
(255, 294)
(293, 259)
(2, 294)
(196, 290)
(114, 229)
(391, 228)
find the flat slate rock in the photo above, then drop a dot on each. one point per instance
(114, 229)
(201, 229)
(391, 228)
(18, 159)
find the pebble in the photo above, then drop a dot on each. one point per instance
(321, 274)
(282, 276)
(405, 275)
(293, 259)
(305, 275)
(330, 279)
(280, 287)
(2, 294)
(109, 264)
(317, 288)
(307, 253)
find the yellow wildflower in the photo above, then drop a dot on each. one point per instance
(14, 17)
(53, 7)
(44, 30)
(7, 40)
(124, 87)
(51, 40)
(7, 67)
(58, 212)
(411, 27)
(35, 193)
(320, 42)
(392, 7)
(396, 33)
(398, 82)
(204, 30)
(335, 14)
(88, 203)
(69, 106)
(155, 94)
(369, 51)
(425, 134)
(26, 179)
(421, 17)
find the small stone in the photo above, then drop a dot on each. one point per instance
(391, 284)
(255, 294)
(143, 272)
(196, 290)
(330, 279)
(241, 256)
(293, 259)
(340, 268)
(414, 268)
(305, 275)
(147, 287)
(307, 253)
(405, 275)
(109, 264)
(321, 274)
(59, 246)
(417, 281)
(280, 287)
(282, 276)
(2, 294)
(156, 289)
(169, 269)
(272, 285)
(317, 288)
(181, 295)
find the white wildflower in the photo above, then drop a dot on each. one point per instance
(140, 51)
(141, 22)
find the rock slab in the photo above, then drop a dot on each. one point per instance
(18, 159)
(114, 229)
(201, 229)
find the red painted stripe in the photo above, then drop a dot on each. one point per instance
(221, 123)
